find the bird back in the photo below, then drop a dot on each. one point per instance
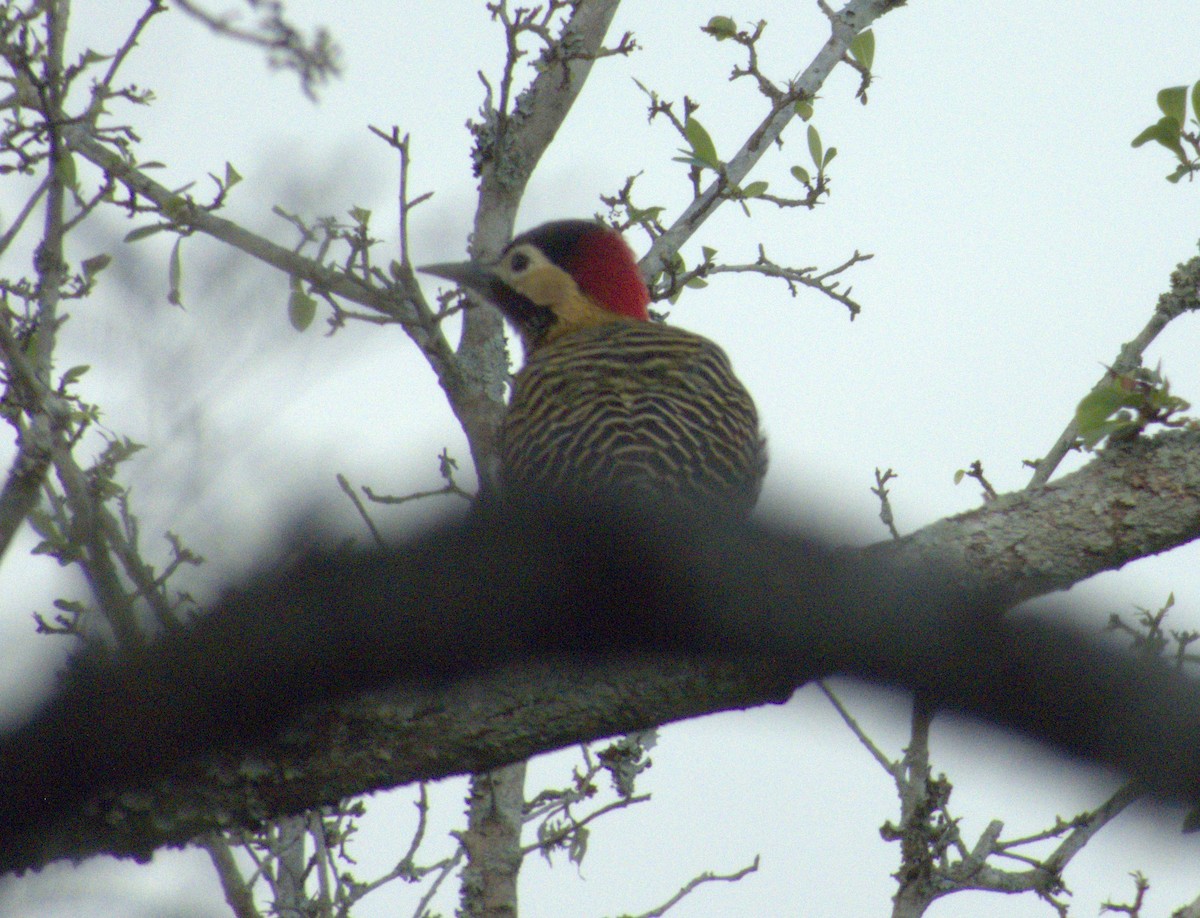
(635, 408)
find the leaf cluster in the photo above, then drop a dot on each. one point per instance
(1171, 131)
(1125, 404)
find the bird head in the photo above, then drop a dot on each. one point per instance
(557, 278)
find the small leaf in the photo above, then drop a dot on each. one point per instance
(40, 523)
(1166, 132)
(702, 146)
(141, 233)
(72, 375)
(697, 283)
(1145, 136)
(754, 189)
(46, 547)
(1098, 404)
(829, 155)
(1094, 410)
(814, 145)
(862, 49)
(360, 215)
(94, 265)
(302, 309)
(804, 109)
(645, 214)
(708, 253)
(231, 176)
(174, 275)
(959, 476)
(1172, 102)
(1196, 100)
(721, 27)
(801, 174)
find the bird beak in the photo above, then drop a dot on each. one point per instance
(467, 274)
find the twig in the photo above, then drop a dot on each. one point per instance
(1183, 296)
(855, 17)
(885, 505)
(688, 888)
(892, 768)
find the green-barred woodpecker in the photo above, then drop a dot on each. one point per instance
(608, 400)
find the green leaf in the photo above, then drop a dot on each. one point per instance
(829, 155)
(645, 214)
(94, 265)
(302, 309)
(862, 49)
(1145, 136)
(959, 476)
(141, 233)
(40, 523)
(1121, 427)
(804, 109)
(708, 253)
(360, 215)
(721, 27)
(1094, 410)
(814, 145)
(72, 375)
(801, 174)
(232, 177)
(754, 189)
(174, 275)
(46, 547)
(702, 146)
(1166, 132)
(1172, 102)
(1196, 100)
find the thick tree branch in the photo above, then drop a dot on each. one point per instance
(510, 143)
(480, 598)
(1135, 500)
(511, 140)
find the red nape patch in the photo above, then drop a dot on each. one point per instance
(605, 269)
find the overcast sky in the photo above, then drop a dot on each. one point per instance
(1018, 240)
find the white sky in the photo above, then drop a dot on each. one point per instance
(1018, 240)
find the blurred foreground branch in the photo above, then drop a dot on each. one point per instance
(479, 614)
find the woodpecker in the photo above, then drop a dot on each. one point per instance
(609, 401)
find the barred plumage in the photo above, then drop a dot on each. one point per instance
(608, 401)
(639, 408)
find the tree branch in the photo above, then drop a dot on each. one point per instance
(1183, 296)
(847, 23)
(453, 615)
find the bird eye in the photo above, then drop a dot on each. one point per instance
(519, 262)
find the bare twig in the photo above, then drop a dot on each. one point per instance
(885, 505)
(315, 60)
(693, 884)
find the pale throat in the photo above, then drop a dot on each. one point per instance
(573, 309)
